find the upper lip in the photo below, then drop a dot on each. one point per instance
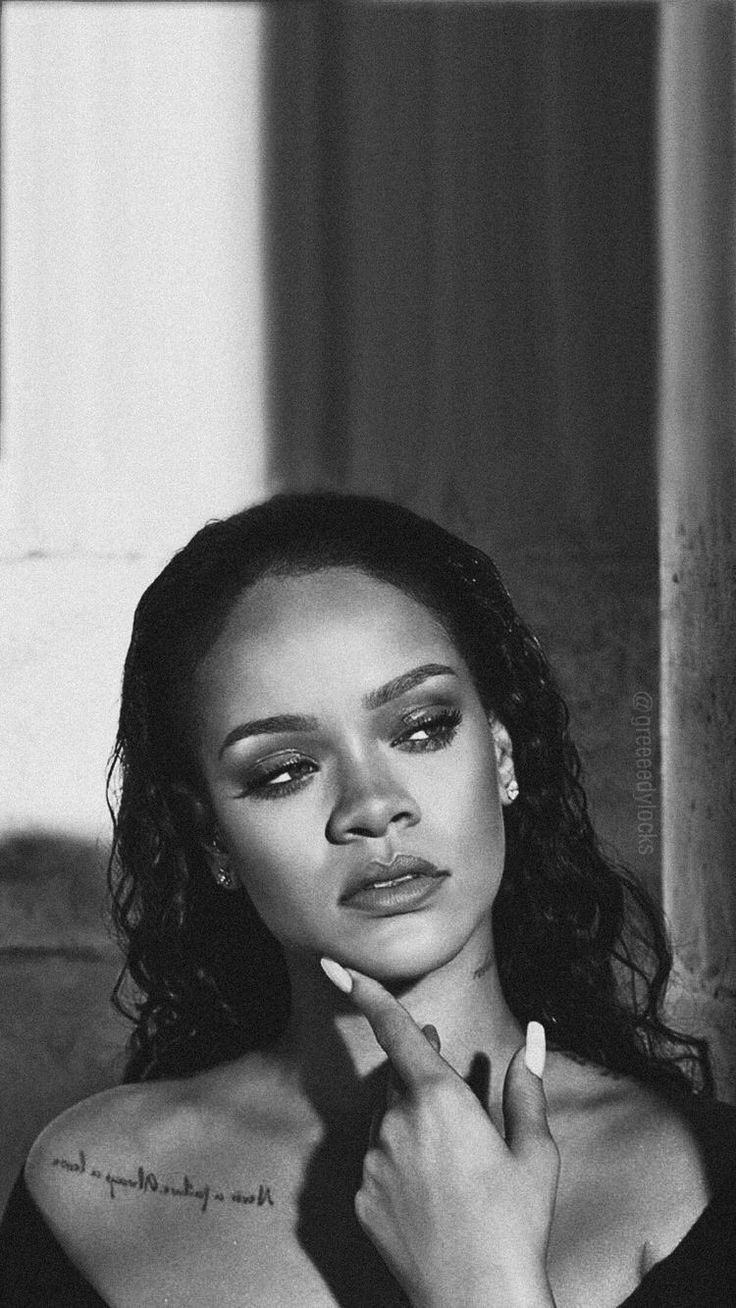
(401, 865)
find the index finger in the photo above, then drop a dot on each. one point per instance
(410, 1052)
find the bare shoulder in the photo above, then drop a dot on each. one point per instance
(78, 1155)
(639, 1167)
(95, 1171)
(687, 1143)
(631, 1149)
(679, 1140)
(148, 1188)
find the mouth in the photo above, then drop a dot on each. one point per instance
(400, 886)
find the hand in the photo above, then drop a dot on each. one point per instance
(459, 1214)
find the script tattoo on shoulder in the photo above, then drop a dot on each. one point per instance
(144, 1181)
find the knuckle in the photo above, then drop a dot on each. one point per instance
(439, 1093)
(363, 1209)
(384, 1140)
(371, 1165)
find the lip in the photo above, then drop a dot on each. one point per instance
(396, 887)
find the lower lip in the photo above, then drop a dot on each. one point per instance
(401, 897)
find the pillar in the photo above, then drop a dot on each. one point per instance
(697, 475)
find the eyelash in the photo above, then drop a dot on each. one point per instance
(442, 722)
(442, 725)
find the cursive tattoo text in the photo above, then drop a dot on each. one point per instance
(144, 1181)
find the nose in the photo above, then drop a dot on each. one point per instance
(371, 802)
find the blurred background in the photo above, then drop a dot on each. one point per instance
(475, 257)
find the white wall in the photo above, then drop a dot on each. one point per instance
(133, 344)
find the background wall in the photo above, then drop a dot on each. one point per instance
(133, 409)
(415, 250)
(461, 204)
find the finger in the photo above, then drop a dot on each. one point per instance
(377, 1117)
(410, 1052)
(524, 1101)
(393, 1089)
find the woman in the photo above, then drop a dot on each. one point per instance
(339, 743)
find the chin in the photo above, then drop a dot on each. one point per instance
(401, 959)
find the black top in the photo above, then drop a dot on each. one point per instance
(700, 1273)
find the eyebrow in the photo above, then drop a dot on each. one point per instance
(291, 722)
(407, 681)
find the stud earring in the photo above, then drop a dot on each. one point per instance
(222, 876)
(512, 790)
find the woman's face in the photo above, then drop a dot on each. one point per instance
(353, 775)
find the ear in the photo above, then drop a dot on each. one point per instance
(508, 787)
(210, 840)
(196, 810)
(218, 862)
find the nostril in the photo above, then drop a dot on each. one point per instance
(370, 820)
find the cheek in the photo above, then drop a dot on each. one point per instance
(469, 797)
(270, 855)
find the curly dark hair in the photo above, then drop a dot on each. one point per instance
(579, 944)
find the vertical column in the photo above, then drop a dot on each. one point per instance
(697, 475)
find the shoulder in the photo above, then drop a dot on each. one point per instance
(134, 1141)
(690, 1140)
(616, 1112)
(660, 1156)
(145, 1186)
(88, 1154)
(115, 1118)
(679, 1142)
(639, 1168)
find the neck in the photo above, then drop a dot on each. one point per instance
(330, 1052)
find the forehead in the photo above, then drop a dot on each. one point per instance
(290, 636)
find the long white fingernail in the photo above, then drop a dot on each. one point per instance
(338, 975)
(536, 1048)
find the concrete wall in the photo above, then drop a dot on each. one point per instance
(697, 473)
(481, 300)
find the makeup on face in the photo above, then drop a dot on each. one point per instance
(401, 886)
(420, 729)
(374, 699)
(352, 771)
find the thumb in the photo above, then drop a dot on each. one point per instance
(524, 1102)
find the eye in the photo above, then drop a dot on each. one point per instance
(427, 731)
(277, 778)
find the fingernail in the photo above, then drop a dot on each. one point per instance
(338, 975)
(536, 1048)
